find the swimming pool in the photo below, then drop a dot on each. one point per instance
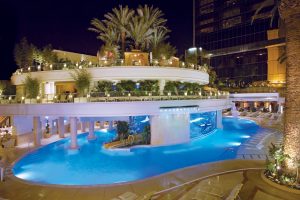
(92, 164)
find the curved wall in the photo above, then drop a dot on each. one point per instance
(109, 109)
(121, 73)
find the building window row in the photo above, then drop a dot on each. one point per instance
(206, 9)
(207, 21)
(231, 13)
(203, 2)
(231, 22)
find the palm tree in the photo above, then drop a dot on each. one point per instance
(107, 33)
(289, 11)
(139, 32)
(149, 23)
(159, 35)
(151, 16)
(119, 19)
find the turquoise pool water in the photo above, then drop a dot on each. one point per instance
(92, 164)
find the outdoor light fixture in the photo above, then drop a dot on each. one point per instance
(169, 93)
(150, 94)
(76, 64)
(71, 96)
(108, 95)
(65, 65)
(23, 98)
(51, 66)
(9, 98)
(38, 97)
(185, 93)
(28, 68)
(88, 96)
(90, 63)
(129, 94)
(55, 97)
(39, 67)
(80, 67)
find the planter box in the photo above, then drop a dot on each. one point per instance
(80, 100)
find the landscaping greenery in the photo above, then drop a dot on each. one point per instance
(146, 135)
(122, 130)
(32, 87)
(27, 55)
(82, 79)
(275, 167)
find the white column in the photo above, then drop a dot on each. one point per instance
(162, 84)
(73, 134)
(61, 127)
(170, 129)
(101, 124)
(91, 135)
(53, 127)
(219, 119)
(37, 131)
(110, 127)
(83, 126)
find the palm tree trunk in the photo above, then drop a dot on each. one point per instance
(123, 36)
(290, 12)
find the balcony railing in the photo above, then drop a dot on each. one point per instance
(111, 97)
(118, 63)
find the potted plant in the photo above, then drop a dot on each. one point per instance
(47, 131)
(83, 81)
(32, 88)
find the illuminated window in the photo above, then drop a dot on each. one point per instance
(231, 22)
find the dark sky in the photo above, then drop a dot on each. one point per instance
(64, 24)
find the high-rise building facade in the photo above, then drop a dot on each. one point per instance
(238, 45)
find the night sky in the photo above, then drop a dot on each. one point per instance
(64, 24)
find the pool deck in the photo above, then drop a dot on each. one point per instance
(254, 186)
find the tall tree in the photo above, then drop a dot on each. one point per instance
(290, 12)
(107, 33)
(23, 54)
(159, 35)
(139, 32)
(120, 18)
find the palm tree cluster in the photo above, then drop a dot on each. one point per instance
(141, 29)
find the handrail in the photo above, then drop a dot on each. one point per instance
(64, 66)
(162, 192)
(111, 96)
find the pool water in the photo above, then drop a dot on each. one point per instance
(92, 164)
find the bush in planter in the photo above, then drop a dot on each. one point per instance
(82, 80)
(275, 167)
(32, 87)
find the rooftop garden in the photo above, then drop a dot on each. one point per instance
(129, 37)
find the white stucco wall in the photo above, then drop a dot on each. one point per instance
(23, 124)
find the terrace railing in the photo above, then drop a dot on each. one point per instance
(110, 97)
(117, 63)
